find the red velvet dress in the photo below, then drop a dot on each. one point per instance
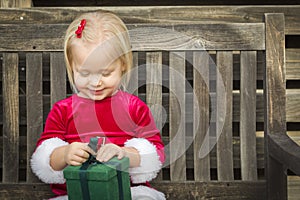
(118, 118)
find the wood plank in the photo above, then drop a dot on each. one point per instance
(153, 86)
(224, 116)
(293, 187)
(275, 102)
(15, 3)
(33, 191)
(50, 37)
(212, 190)
(34, 104)
(292, 64)
(292, 105)
(275, 75)
(10, 117)
(173, 190)
(226, 36)
(201, 116)
(133, 83)
(58, 77)
(177, 116)
(160, 14)
(248, 115)
(285, 151)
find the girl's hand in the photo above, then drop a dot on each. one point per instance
(77, 153)
(107, 151)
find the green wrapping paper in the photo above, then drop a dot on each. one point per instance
(105, 181)
(94, 180)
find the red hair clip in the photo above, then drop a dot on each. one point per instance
(80, 28)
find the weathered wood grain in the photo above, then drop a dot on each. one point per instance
(144, 37)
(10, 91)
(275, 81)
(15, 3)
(293, 187)
(292, 57)
(224, 116)
(275, 104)
(132, 78)
(58, 77)
(154, 86)
(159, 14)
(177, 117)
(173, 190)
(201, 116)
(34, 106)
(248, 115)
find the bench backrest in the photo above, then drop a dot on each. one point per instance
(203, 82)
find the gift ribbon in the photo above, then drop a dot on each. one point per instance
(93, 161)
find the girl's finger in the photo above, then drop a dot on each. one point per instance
(82, 153)
(121, 155)
(79, 159)
(86, 148)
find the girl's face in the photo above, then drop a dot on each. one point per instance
(95, 77)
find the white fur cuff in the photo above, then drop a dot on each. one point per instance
(40, 161)
(144, 192)
(150, 163)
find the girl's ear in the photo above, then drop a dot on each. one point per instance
(123, 66)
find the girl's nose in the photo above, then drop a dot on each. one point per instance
(96, 80)
(100, 83)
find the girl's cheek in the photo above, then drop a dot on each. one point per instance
(80, 81)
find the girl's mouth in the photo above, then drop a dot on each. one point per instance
(96, 92)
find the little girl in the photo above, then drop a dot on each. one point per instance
(98, 57)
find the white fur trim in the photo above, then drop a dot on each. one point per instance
(146, 193)
(150, 163)
(40, 161)
(64, 197)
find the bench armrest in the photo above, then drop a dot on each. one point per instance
(285, 150)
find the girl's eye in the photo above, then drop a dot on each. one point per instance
(106, 74)
(84, 74)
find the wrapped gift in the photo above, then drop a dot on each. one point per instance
(95, 180)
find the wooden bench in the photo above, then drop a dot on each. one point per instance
(281, 153)
(183, 72)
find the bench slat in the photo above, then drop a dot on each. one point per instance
(224, 116)
(34, 103)
(177, 116)
(223, 36)
(10, 117)
(248, 115)
(173, 190)
(57, 77)
(159, 14)
(154, 87)
(275, 103)
(201, 118)
(133, 82)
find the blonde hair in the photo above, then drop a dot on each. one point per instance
(99, 25)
